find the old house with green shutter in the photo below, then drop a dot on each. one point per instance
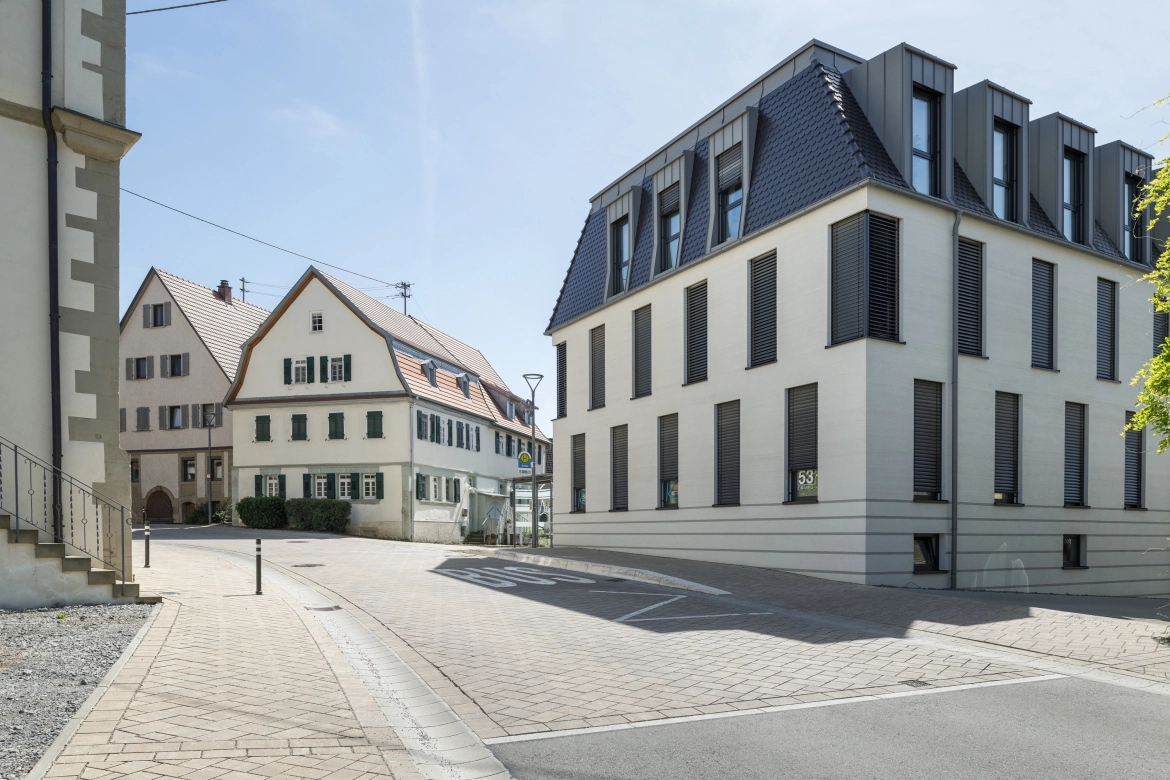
(340, 396)
(180, 345)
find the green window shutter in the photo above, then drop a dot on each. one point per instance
(456, 482)
(434, 427)
(420, 424)
(280, 479)
(309, 372)
(307, 482)
(324, 365)
(330, 486)
(378, 485)
(346, 361)
(450, 433)
(420, 487)
(373, 425)
(288, 371)
(477, 438)
(355, 486)
(259, 484)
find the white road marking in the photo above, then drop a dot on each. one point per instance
(631, 619)
(763, 710)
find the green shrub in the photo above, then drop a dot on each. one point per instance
(262, 512)
(198, 515)
(330, 515)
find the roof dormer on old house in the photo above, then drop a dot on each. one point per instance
(340, 396)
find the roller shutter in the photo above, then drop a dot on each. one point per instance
(927, 439)
(727, 453)
(802, 427)
(1161, 331)
(1106, 329)
(970, 297)
(1134, 452)
(619, 459)
(579, 462)
(763, 310)
(1074, 454)
(730, 165)
(1007, 434)
(696, 333)
(848, 280)
(883, 278)
(668, 200)
(1042, 310)
(562, 380)
(642, 374)
(668, 447)
(597, 367)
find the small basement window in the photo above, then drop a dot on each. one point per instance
(1073, 551)
(926, 552)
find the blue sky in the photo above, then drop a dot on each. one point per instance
(456, 144)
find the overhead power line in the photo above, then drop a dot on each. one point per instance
(251, 238)
(173, 7)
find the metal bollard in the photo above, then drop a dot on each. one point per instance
(147, 537)
(258, 591)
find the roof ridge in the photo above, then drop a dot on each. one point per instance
(569, 270)
(211, 290)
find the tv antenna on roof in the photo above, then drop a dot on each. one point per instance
(403, 289)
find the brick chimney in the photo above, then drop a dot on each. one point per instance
(225, 291)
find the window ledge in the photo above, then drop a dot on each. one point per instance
(729, 504)
(671, 508)
(595, 408)
(1135, 509)
(632, 398)
(1110, 381)
(1005, 503)
(695, 382)
(977, 357)
(931, 571)
(771, 362)
(931, 501)
(865, 338)
(1045, 368)
(620, 510)
(800, 501)
(1067, 567)
(1077, 506)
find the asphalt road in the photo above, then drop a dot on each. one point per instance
(1062, 729)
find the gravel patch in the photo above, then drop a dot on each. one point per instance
(50, 662)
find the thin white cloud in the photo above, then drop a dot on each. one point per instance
(315, 121)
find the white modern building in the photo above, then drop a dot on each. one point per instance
(858, 325)
(340, 396)
(180, 347)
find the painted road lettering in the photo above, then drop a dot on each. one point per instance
(510, 576)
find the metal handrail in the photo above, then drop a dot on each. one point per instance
(54, 492)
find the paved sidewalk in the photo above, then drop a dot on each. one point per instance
(229, 685)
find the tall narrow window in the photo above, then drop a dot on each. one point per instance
(730, 174)
(695, 368)
(1003, 171)
(927, 440)
(1074, 196)
(1161, 331)
(1043, 307)
(578, 475)
(802, 443)
(669, 227)
(620, 249)
(668, 461)
(1132, 223)
(642, 376)
(924, 142)
(1106, 329)
(300, 427)
(619, 468)
(1007, 443)
(762, 311)
(1074, 454)
(970, 297)
(1134, 452)
(562, 380)
(727, 453)
(597, 367)
(864, 270)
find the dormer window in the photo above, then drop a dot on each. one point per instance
(1003, 174)
(465, 385)
(316, 322)
(510, 409)
(670, 227)
(620, 247)
(924, 142)
(1132, 224)
(730, 171)
(431, 372)
(1074, 196)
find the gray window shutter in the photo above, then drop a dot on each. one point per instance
(763, 310)
(1161, 331)
(848, 280)
(579, 461)
(727, 453)
(186, 364)
(696, 333)
(927, 439)
(196, 415)
(882, 276)
(184, 416)
(122, 420)
(347, 371)
(970, 297)
(1106, 329)
(1042, 310)
(1007, 434)
(802, 428)
(620, 468)
(642, 377)
(142, 418)
(150, 366)
(164, 366)
(1074, 454)
(130, 367)
(259, 485)
(597, 367)
(1134, 451)
(280, 482)
(562, 381)
(307, 485)
(163, 422)
(288, 371)
(420, 424)
(218, 415)
(146, 323)
(167, 313)
(667, 448)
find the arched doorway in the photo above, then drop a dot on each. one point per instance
(158, 507)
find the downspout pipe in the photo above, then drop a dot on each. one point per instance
(54, 287)
(954, 566)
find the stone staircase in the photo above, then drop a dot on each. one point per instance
(39, 573)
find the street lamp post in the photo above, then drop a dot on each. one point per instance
(209, 423)
(533, 381)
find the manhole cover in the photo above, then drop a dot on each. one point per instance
(916, 683)
(306, 565)
(333, 608)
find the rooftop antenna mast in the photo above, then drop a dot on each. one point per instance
(403, 289)
(243, 290)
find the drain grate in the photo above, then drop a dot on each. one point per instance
(306, 565)
(916, 683)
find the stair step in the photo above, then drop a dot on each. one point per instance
(23, 536)
(102, 576)
(50, 550)
(147, 598)
(76, 563)
(131, 591)
(4, 521)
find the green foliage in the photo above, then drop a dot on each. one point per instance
(198, 515)
(329, 515)
(262, 512)
(1153, 380)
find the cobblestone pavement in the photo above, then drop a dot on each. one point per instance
(228, 685)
